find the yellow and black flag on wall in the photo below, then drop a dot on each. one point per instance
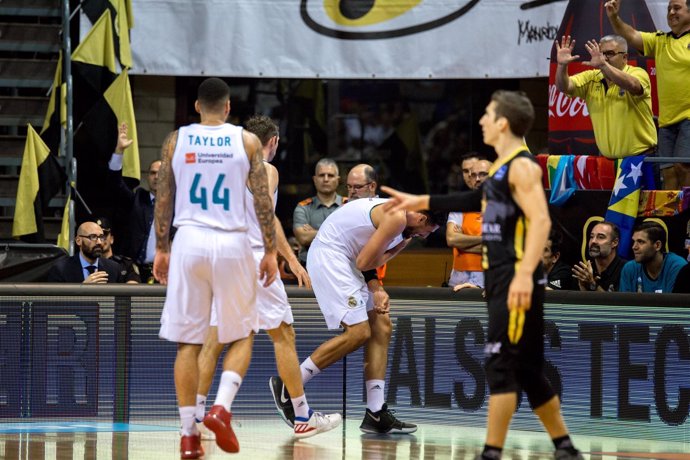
(40, 179)
(93, 67)
(56, 115)
(122, 21)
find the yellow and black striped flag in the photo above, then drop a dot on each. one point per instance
(40, 179)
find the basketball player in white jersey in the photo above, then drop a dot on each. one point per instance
(204, 171)
(360, 236)
(275, 314)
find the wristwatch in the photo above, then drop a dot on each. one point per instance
(593, 286)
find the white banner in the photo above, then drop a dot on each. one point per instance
(392, 39)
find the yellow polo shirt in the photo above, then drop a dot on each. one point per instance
(623, 123)
(672, 56)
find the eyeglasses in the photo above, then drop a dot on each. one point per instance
(357, 188)
(93, 237)
(610, 54)
(479, 175)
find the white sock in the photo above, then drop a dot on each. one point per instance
(301, 407)
(309, 370)
(188, 422)
(230, 382)
(200, 407)
(375, 394)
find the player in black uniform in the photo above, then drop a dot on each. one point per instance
(515, 227)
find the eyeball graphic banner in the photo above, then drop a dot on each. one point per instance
(386, 39)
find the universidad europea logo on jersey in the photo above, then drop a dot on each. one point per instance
(190, 157)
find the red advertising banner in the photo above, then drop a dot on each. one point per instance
(570, 128)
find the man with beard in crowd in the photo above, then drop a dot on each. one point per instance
(603, 271)
(87, 266)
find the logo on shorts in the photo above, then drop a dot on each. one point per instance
(190, 157)
(351, 302)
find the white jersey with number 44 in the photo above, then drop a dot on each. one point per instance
(211, 169)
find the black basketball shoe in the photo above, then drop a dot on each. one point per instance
(568, 454)
(281, 397)
(384, 421)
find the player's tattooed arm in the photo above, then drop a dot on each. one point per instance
(258, 183)
(165, 195)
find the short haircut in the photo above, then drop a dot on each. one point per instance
(326, 162)
(439, 218)
(556, 238)
(264, 127)
(213, 93)
(615, 231)
(515, 107)
(654, 231)
(370, 174)
(157, 160)
(622, 43)
(470, 155)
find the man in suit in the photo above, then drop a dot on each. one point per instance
(138, 239)
(87, 265)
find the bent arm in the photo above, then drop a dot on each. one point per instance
(455, 238)
(631, 35)
(390, 225)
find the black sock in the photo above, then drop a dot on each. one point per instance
(565, 443)
(491, 452)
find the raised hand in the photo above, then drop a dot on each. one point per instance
(597, 59)
(564, 51)
(123, 140)
(612, 8)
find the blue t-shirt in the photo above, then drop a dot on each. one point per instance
(633, 274)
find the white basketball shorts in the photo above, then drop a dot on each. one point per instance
(271, 302)
(340, 289)
(209, 269)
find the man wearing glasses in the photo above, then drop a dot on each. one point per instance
(87, 266)
(464, 235)
(618, 96)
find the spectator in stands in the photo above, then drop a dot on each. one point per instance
(672, 58)
(140, 243)
(602, 271)
(559, 274)
(128, 268)
(652, 270)
(464, 234)
(88, 265)
(310, 213)
(614, 91)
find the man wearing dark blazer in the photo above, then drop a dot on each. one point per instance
(138, 239)
(87, 265)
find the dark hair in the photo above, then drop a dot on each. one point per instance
(515, 107)
(213, 93)
(436, 217)
(556, 238)
(264, 127)
(473, 154)
(654, 231)
(615, 231)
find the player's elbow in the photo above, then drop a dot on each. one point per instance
(364, 264)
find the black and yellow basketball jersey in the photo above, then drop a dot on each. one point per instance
(504, 226)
